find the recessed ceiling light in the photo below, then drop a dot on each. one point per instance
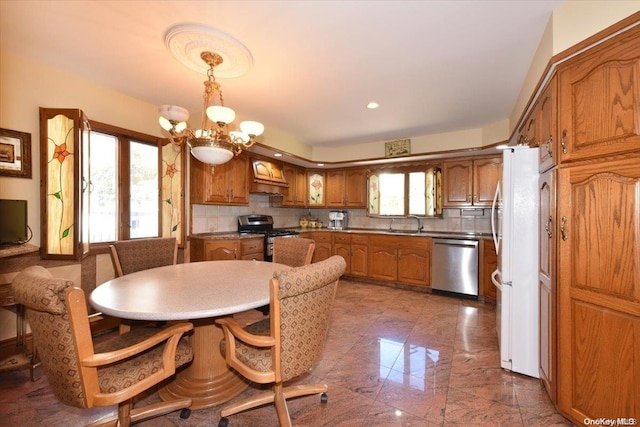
(277, 155)
(320, 164)
(372, 105)
(502, 147)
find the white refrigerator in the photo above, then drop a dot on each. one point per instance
(514, 225)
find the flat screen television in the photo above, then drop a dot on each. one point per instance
(13, 221)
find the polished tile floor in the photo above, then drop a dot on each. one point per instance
(393, 358)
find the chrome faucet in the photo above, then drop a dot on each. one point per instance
(419, 230)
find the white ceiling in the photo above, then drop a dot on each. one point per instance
(433, 66)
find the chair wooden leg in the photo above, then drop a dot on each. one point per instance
(304, 390)
(124, 414)
(248, 403)
(281, 406)
(144, 412)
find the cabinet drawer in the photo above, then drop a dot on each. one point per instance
(251, 246)
(341, 238)
(320, 236)
(360, 239)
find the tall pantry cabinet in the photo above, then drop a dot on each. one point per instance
(597, 229)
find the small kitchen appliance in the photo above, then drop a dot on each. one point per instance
(263, 224)
(338, 220)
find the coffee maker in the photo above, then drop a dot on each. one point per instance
(338, 220)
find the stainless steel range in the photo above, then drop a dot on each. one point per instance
(263, 224)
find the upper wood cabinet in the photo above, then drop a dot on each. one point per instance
(470, 183)
(297, 179)
(545, 109)
(226, 184)
(599, 100)
(316, 189)
(346, 188)
(64, 186)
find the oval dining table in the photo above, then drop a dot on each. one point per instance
(198, 292)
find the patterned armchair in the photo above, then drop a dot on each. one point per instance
(112, 372)
(129, 256)
(294, 252)
(289, 342)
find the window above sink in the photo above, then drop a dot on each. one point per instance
(404, 192)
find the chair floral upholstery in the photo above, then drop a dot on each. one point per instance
(290, 341)
(129, 256)
(294, 252)
(117, 370)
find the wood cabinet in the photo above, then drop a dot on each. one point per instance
(599, 288)
(216, 249)
(297, 179)
(346, 188)
(488, 265)
(316, 189)
(354, 248)
(599, 100)
(470, 182)
(547, 283)
(252, 248)
(400, 259)
(545, 109)
(65, 183)
(323, 242)
(226, 184)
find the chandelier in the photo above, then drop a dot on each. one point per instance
(212, 143)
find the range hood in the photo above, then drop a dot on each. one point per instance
(268, 178)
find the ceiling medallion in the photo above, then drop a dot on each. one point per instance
(187, 41)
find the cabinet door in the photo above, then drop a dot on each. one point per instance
(599, 289)
(316, 189)
(296, 177)
(335, 189)
(527, 132)
(486, 174)
(355, 188)
(252, 249)
(359, 258)
(238, 180)
(216, 250)
(414, 265)
(458, 181)
(547, 282)
(548, 141)
(344, 250)
(599, 100)
(383, 263)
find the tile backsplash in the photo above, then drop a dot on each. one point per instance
(213, 219)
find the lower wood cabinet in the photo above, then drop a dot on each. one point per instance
(252, 248)
(488, 264)
(354, 248)
(323, 244)
(402, 259)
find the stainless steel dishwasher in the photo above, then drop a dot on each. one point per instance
(454, 266)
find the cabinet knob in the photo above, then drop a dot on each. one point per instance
(563, 225)
(563, 142)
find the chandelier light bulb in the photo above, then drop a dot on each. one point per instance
(252, 128)
(165, 123)
(220, 114)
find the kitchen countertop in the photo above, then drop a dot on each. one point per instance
(438, 234)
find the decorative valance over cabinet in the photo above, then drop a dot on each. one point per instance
(64, 184)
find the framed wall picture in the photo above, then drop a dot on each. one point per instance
(15, 153)
(400, 147)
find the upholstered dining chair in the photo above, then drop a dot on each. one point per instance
(289, 342)
(129, 256)
(293, 251)
(85, 374)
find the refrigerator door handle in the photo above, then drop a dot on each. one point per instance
(497, 282)
(494, 213)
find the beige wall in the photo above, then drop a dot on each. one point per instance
(571, 22)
